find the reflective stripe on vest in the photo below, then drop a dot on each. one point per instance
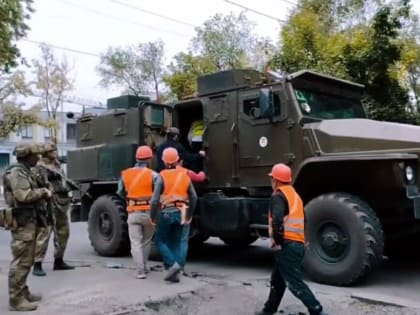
(138, 183)
(176, 184)
(294, 222)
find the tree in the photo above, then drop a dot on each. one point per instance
(227, 41)
(13, 117)
(184, 71)
(137, 68)
(358, 40)
(13, 16)
(386, 98)
(409, 70)
(53, 80)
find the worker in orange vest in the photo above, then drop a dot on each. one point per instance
(199, 177)
(172, 205)
(136, 186)
(286, 230)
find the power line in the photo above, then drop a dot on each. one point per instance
(123, 19)
(256, 12)
(289, 1)
(62, 48)
(152, 13)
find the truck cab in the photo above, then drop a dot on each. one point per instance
(358, 177)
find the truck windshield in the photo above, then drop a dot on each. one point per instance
(327, 106)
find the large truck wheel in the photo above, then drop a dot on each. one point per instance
(107, 226)
(344, 239)
(239, 242)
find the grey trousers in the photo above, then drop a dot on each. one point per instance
(140, 231)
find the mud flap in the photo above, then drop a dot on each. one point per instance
(414, 194)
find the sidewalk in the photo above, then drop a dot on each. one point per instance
(95, 290)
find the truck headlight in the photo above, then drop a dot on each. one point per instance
(409, 173)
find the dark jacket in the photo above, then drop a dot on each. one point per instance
(191, 159)
(279, 209)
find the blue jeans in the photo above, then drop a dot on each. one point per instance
(171, 238)
(184, 245)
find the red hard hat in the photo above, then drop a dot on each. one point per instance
(281, 172)
(144, 152)
(170, 156)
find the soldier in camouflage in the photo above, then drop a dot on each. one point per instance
(49, 167)
(22, 194)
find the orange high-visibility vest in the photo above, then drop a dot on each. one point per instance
(138, 183)
(176, 183)
(294, 222)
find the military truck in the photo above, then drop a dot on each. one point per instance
(357, 177)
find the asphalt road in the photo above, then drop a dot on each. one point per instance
(103, 285)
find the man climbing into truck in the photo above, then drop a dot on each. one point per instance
(172, 141)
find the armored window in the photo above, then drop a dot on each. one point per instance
(157, 116)
(251, 106)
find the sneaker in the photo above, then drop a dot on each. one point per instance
(173, 273)
(141, 275)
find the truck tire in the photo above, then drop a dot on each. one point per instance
(107, 226)
(344, 239)
(239, 242)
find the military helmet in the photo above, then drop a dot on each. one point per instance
(24, 149)
(49, 147)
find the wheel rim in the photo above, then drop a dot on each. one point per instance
(105, 226)
(333, 243)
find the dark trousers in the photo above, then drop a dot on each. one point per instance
(288, 272)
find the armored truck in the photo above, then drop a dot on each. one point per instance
(357, 177)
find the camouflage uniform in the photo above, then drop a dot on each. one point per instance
(59, 205)
(22, 194)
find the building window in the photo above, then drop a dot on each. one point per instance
(27, 132)
(48, 134)
(71, 131)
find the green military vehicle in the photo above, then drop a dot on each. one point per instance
(358, 177)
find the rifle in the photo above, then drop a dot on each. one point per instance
(44, 213)
(71, 184)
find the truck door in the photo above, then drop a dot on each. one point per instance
(262, 142)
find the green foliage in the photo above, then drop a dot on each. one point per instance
(13, 16)
(358, 40)
(184, 71)
(137, 68)
(386, 98)
(225, 40)
(12, 117)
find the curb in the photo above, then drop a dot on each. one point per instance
(385, 300)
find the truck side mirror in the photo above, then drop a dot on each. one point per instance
(266, 100)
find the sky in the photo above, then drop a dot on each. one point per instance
(91, 26)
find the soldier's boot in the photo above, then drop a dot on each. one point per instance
(59, 264)
(22, 305)
(38, 271)
(31, 297)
